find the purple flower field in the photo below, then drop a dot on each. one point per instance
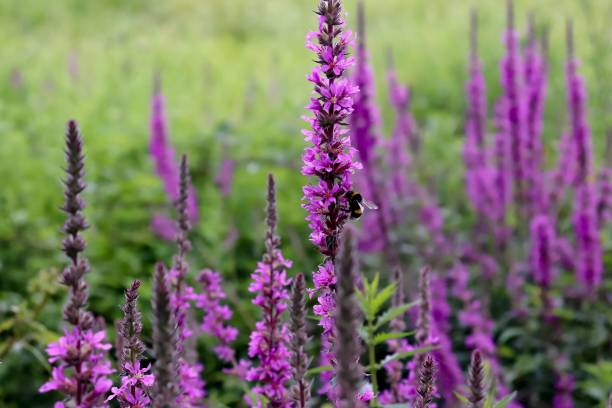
(466, 272)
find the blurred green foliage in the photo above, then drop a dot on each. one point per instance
(233, 73)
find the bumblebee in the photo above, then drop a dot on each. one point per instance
(357, 204)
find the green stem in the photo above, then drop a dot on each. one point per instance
(372, 358)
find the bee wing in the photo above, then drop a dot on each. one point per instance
(369, 205)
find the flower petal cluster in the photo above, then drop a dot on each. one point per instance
(216, 315)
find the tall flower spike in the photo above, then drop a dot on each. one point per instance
(604, 187)
(476, 380)
(300, 390)
(135, 382)
(579, 125)
(402, 137)
(74, 243)
(164, 341)
(268, 342)
(164, 157)
(329, 158)
(191, 386)
(426, 387)
(80, 366)
(478, 175)
(589, 262)
(513, 107)
(535, 74)
(347, 345)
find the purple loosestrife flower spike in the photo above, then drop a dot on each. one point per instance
(401, 138)
(564, 387)
(330, 158)
(589, 262)
(475, 125)
(164, 158)
(135, 382)
(364, 122)
(164, 341)
(513, 106)
(268, 342)
(300, 389)
(80, 366)
(426, 388)
(191, 386)
(579, 125)
(347, 349)
(365, 116)
(535, 73)
(604, 187)
(74, 243)
(542, 250)
(476, 379)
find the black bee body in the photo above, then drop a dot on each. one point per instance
(355, 204)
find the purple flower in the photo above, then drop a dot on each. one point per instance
(479, 176)
(135, 382)
(579, 125)
(564, 387)
(269, 340)
(216, 315)
(191, 386)
(542, 250)
(589, 262)
(513, 108)
(166, 167)
(535, 74)
(80, 367)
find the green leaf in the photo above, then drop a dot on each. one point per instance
(462, 398)
(393, 312)
(380, 299)
(382, 337)
(404, 405)
(505, 401)
(319, 370)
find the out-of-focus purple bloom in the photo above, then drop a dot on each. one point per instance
(578, 121)
(564, 387)
(589, 262)
(536, 75)
(604, 187)
(268, 342)
(563, 175)
(479, 176)
(166, 167)
(542, 250)
(225, 175)
(398, 145)
(513, 108)
(502, 177)
(216, 315)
